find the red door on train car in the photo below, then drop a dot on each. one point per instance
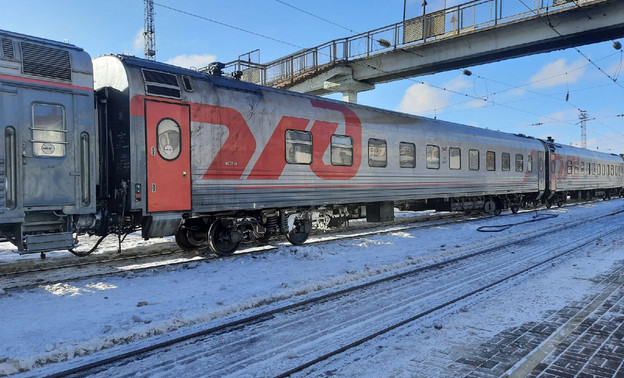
(168, 156)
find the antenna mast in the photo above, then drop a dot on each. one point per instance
(148, 33)
(583, 118)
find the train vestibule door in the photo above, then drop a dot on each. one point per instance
(541, 174)
(168, 156)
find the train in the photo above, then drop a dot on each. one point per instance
(119, 144)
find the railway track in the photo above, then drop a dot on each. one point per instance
(34, 272)
(28, 272)
(294, 338)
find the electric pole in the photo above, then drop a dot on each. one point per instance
(148, 32)
(583, 118)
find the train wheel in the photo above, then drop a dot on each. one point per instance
(221, 239)
(299, 234)
(490, 207)
(189, 240)
(515, 209)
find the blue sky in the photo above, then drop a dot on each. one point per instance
(525, 95)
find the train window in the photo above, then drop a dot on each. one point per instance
(530, 163)
(569, 164)
(186, 80)
(612, 171)
(433, 157)
(582, 167)
(490, 161)
(506, 161)
(519, 162)
(603, 169)
(377, 153)
(576, 167)
(454, 158)
(473, 160)
(298, 147)
(161, 83)
(169, 139)
(341, 150)
(407, 155)
(593, 170)
(48, 130)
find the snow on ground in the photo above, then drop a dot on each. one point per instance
(60, 322)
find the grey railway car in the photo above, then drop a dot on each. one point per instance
(235, 159)
(48, 158)
(582, 174)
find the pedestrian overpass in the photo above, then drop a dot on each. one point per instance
(471, 33)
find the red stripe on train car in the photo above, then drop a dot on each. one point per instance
(44, 82)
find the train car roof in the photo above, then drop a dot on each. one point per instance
(581, 152)
(228, 82)
(39, 40)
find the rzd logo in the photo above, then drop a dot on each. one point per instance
(232, 159)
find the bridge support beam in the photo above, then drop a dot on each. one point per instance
(587, 22)
(336, 80)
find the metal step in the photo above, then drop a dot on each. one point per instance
(48, 242)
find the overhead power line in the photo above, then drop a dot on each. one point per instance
(227, 25)
(316, 16)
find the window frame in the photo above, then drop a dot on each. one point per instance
(452, 158)
(381, 149)
(336, 147)
(490, 166)
(519, 159)
(505, 161)
(471, 159)
(42, 143)
(293, 144)
(159, 144)
(432, 162)
(402, 163)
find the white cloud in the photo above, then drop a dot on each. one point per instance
(195, 60)
(139, 42)
(558, 72)
(422, 98)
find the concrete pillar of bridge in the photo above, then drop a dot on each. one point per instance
(348, 86)
(350, 96)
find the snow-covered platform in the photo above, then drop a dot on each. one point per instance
(583, 339)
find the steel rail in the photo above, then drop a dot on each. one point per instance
(96, 366)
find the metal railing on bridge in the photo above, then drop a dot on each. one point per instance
(445, 23)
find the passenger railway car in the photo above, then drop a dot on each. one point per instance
(235, 159)
(582, 174)
(48, 157)
(122, 144)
